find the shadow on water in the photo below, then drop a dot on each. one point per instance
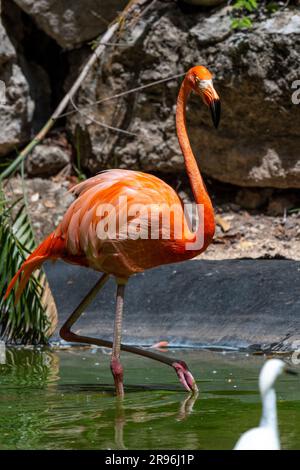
(64, 399)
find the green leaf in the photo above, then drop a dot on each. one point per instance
(249, 5)
(25, 322)
(241, 23)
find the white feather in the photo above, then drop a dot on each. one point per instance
(266, 436)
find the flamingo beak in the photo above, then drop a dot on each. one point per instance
(215, 109)
(211, 99)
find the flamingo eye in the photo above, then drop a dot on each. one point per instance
(197, 80)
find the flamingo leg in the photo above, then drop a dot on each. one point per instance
(115, 364)
(179, 366)
(65, 331)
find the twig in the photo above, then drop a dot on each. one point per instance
(117, 44)
(123, 93)
(107, 37)
(102, 124)
(100, 17)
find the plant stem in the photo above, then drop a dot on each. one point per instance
(107, 37)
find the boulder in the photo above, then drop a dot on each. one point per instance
(258, 141)
(47, 160)
(16, 105)
(24, 85)
(250, 198)
(204, 3)
(71, 22)
(7, 51)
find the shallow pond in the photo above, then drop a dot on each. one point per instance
(63, 399)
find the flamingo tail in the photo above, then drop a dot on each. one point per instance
(51, 248)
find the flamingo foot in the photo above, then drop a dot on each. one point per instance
(117, 372)
(185, 376)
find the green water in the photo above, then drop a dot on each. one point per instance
(63, 399)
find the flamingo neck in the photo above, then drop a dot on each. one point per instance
(197, 184)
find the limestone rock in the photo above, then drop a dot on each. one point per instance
(71, 22)
(213, 29)
(17, 111)
(253, 198)
(258, 141)
(278, 205)
(204, 3)
(7, 51)
(47, 160)
(24, 86)
(48, 201)
(16, 106)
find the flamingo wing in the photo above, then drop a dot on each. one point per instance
(112, 195)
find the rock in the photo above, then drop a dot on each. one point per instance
(205, 3)
(213, 29)
(41, 192)
(25, 90)
(16, 106)
(252, 198)
(279, 205)
(47, 160)
(283, 24)
(17, 112)
(71, 22)
(258, 141)
(7, 51)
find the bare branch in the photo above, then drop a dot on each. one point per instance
(117, 44)
(123, 93)
(107, 37)
(102, 124)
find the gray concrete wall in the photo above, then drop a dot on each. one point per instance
(252, 304)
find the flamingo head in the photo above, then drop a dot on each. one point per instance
(200, 81)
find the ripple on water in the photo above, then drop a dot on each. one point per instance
(55, 400)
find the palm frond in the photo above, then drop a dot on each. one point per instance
(27, 321)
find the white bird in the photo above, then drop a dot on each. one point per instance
(266, 436)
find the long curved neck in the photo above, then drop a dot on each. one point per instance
(198, 187)
(269, 411)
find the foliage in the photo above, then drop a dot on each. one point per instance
(246, 10)
(25, 322)
(248, 5)
(241, 23)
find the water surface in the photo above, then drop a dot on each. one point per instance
(63, 399)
